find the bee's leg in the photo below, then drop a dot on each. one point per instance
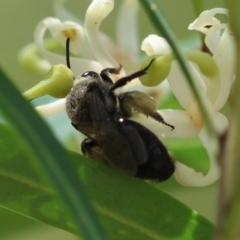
(124, 80)
(141, 103)
(107, 72)
(90, 149)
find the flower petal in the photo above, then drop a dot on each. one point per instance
(61, 31)
(188, 176)
(127, 25)
(220, 122)
(184, 127)
(78, 65)
(64, 15)
(209, 25)
(206, 19)
(220, 42)
(180, 87)
(154, 44)
(97, 11)
(224, 57)
(213, 37)
(52, 108)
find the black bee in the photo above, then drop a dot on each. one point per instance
(112, 137)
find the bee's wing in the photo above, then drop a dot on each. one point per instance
(159, 165)
(117, 147)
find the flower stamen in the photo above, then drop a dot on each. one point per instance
(70, 33)
(195, 114)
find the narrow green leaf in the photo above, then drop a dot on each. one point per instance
(159, 21)
(51, 157)
(129, 208)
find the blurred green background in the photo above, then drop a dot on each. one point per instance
(18, 20)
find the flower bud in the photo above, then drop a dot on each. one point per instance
(158, 71)
(57, 83)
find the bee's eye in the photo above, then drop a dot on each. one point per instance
(90, 74)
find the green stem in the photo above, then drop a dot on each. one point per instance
(155, 14)
(51, 157)
(198, 6)
(229, 198)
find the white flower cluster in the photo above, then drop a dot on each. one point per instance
(94, 51)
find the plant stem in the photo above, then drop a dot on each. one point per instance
(229, 197)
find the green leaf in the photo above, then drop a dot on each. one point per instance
(128, 208)
(49, 154)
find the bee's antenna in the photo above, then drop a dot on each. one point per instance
(68, 53)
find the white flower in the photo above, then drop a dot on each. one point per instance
(189, 123)
(61, 31)
(95, 51)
